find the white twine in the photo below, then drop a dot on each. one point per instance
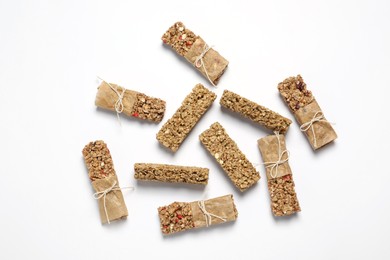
(199, 62)
(318, 117)
(103, 194)
(119, 103)
(275, 165)
(208, 215)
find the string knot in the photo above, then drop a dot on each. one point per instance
(103, 194)
(208, 215)
(318, 117)
(275, 165)
(199, 61)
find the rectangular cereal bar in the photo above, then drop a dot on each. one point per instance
(132, 103)
(171, 173)
(257, 113)
(176, 129)
(104, 181)
(230, 158)
(181, 216)
(281, 186)
(195, 50)
(307, 112)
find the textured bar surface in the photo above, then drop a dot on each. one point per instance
(257, 113)
(181, 216)
(176, 129)
(98, 160)
(171, 173)
(230, 158)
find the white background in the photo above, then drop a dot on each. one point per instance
(50, 54)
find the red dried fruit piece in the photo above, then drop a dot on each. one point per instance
(188, 43)
(135, 114)
(179, 216)
(286, 177)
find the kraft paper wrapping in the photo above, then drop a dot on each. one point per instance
(324, 132)
(115, 204)
(223, 207)
(106, 98)
(269, 150)
(214, 63)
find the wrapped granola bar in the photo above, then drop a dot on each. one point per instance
(196, 51)
(281, 186)
(171, 173)
(181, 216)
(307, 112)
(104, 181)
(258, 114)
(132, 103)
(226, 152)
(193, 107)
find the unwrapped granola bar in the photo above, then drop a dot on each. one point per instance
(132, 103)
(171, 173)
(281, 186)
(195, 50)
(104, 181)
(226, 152)
(176, 129)
(181, 216)
(307, 112)
(254, 112)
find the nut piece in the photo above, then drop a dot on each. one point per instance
(194, 106)
(149, 108)
(171, 173)
(231, 159)
(294, 92)
(254, 112)
(179, 38)
(175, 217)
(98, 160)
(284, 200)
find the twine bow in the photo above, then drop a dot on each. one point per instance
(199, 61)
(103, 194)
(119, 102)
(208, 215)
(318, 117)
(275, 165)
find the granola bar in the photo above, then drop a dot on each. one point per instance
(254, 112)
(195, 50)
(171, 173)
(103, 177)
(307, 112)
(181, 216)
(230, 158)
(176, 129)
(281, 186)
(133, 103)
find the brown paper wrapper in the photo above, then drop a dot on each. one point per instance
(324, 131)
(222, 206)
(106, 98)
(115, 204)
(269, 151)
(214, 63)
